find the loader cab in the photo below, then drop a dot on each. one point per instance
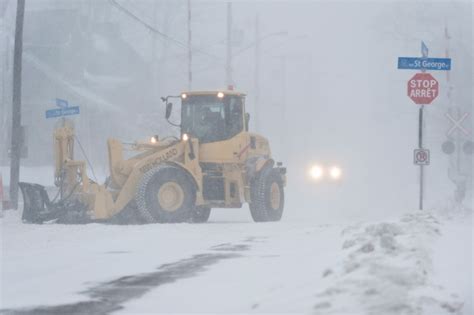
(213, 116)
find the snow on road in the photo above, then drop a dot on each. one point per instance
(406, 265)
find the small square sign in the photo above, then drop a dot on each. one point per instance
(421, 157)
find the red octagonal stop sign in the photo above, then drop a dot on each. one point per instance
(423, 88)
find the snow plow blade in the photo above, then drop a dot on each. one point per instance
(37, 208)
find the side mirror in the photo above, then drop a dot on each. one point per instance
(169, 108)
(247, 120)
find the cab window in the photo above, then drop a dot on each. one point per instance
(210, 118)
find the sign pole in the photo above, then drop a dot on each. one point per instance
(423, 88)
(420, 146)
(424, 53)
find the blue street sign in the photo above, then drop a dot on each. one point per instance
(416, 63)
(59, 112)
(424, 49)
(62, 103)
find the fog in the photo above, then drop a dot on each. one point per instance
(329, 90)
(345, 235)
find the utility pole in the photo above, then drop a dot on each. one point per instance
(163, 61)
(154, 58)
(283, 137)
(190, 51)
(3, 107)
(16, 105)
(229, 45)
(257, 71)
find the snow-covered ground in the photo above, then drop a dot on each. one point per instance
(419, 263)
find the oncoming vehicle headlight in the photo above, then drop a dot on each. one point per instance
(220, 95)
(184, 96)
(335, 172)
(185, 137)
(154, 139)
(316, 172)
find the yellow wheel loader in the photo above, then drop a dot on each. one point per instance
(216, 163)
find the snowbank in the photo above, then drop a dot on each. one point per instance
(402, 267)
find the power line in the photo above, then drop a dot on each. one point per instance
(158, 32)
(147, 25)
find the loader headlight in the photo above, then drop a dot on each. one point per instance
(154, 139)
(185, 137)
(335, 172)
(316, 172)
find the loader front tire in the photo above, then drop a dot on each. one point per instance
(267, 196)
(165, 194)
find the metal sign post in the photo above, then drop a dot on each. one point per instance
(420, 146)
(424, 53)
(423, 88)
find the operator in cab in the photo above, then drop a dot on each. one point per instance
(212, 118)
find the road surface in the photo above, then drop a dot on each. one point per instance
(294, 266)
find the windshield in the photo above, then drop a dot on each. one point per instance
(210, 118)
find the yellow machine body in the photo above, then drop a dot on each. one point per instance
(237, 160)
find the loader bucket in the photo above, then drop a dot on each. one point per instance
(36, 203)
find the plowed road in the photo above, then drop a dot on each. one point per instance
(298, 266)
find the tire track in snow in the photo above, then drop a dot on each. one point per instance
(109, 297)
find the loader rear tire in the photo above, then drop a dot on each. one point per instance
(267, 196)
(165, 194)
(200, 214)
